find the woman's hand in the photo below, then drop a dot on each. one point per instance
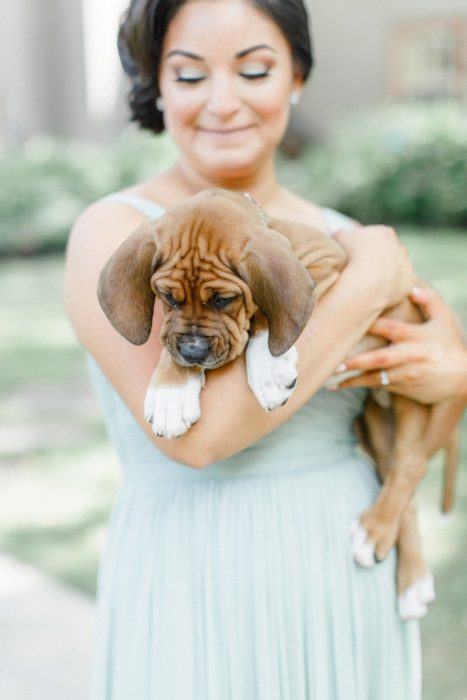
(426, 362)
(381, 258)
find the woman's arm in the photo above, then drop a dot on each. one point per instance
(378, 274)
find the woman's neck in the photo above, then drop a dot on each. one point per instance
(262, 185)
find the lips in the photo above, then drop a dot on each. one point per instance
(224, 132)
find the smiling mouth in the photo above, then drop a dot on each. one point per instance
(224, 132)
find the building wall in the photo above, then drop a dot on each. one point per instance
(352, 40)
(59, 72)
(41, 78)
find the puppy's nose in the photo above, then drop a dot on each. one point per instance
(193, 348)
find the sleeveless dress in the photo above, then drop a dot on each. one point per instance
(236, 582)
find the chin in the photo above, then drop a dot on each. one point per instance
(231, 167)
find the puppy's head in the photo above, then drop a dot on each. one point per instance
(213, 261)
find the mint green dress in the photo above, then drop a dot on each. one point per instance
(236, 582)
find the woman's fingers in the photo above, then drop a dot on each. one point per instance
(393, 330)
(435, 309)
(400, 378)
(382, 358)
(429, 301)
(396, 331)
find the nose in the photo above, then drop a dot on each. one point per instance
(223, 98)
(193, 348)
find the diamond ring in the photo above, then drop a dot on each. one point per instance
(384, 377)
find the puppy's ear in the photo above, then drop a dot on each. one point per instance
(281, 286)
(124, 286)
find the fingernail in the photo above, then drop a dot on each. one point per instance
(416, 291)
(342, 367)
(332, 387)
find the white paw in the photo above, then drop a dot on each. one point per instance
(272, 379)
(173, 409)
(363, 549)
(413, 602)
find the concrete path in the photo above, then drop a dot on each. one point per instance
(46, 636)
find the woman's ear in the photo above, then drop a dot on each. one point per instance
(280, 285)
(124, 286)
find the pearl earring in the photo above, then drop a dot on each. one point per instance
(160, 106)
(294, 98)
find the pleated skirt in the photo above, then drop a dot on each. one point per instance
(244, 588)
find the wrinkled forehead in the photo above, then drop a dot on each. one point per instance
(213, 218)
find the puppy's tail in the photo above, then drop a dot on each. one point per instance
(451, 459)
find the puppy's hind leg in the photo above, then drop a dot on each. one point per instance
(407, 464)
(375, 429)
(415, 584)
(414, 580)
(272, 379)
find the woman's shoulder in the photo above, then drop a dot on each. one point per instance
(315, 215)
(104, 224)
(96, 234)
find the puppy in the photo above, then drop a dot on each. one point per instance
(227, 276)
(232, 278)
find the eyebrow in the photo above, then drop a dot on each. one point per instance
(240, 54)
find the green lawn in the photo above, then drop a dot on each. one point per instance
(58, 475)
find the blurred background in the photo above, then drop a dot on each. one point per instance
(380, 134)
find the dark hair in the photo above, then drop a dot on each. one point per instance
(142, 32)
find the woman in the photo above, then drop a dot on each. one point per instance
(227, 572)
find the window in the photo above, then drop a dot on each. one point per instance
(429, 60)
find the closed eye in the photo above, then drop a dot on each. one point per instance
(189, 80)
(220, 303)
(198, 79)
(170, 300)
(255, 76)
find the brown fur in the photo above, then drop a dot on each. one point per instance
(215, 242)
(274, 270)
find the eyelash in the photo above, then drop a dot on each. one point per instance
(252, 76)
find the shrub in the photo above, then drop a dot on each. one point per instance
(396, 164)
(399, 164)
(48, 182)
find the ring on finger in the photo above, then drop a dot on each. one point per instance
(384, 377)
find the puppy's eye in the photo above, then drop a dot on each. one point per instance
(220, 303)
(170, 300)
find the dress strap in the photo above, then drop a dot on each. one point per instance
(152, 210)
(147, 207)
(335, 219)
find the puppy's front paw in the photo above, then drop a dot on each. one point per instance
(272, 379)
(173, 409)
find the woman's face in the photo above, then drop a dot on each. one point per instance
(226, 77)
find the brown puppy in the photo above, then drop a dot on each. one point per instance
(231, 278)
(227, 276)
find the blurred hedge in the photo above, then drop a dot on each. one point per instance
(48, 182)
(398, 164)
(401, 164)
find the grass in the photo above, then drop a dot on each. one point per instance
(58, 474)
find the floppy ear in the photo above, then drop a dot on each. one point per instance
(281, 286)
(124, 287)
